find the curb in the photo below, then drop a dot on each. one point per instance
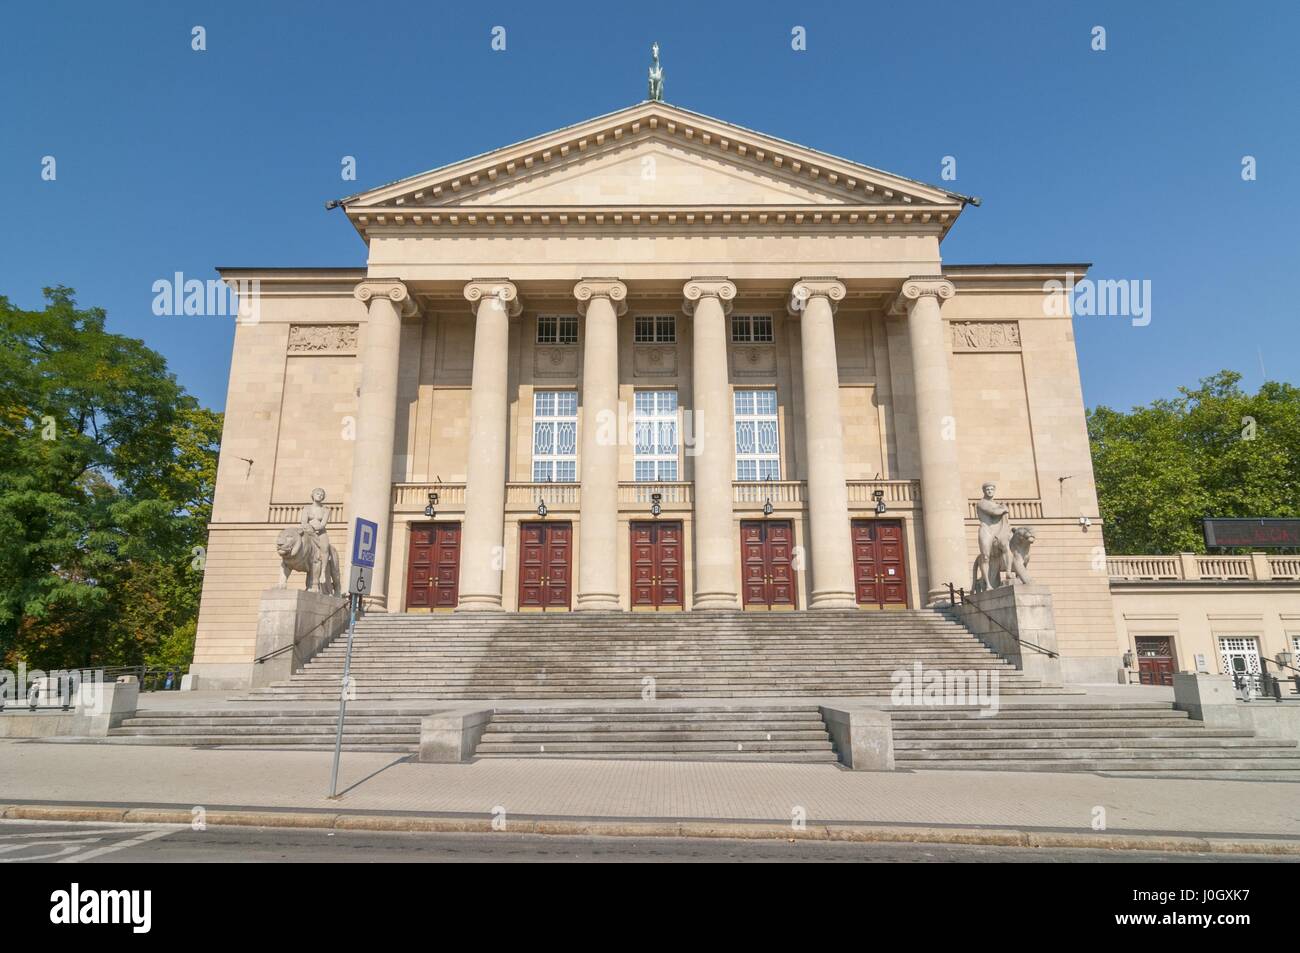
(861, 834)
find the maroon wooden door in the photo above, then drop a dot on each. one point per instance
(767, 569)
(656, 564)
(1155, 660)
(879, 564)
(433, 567)
(545, 566)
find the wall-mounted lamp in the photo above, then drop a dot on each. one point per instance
(767, 506)
(879, 497)
(1284, 657)
(1128, 658)
(429, 510)
(1085, 521)
(541, 509)
(656, 499)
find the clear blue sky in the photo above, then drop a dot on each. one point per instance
(173, 160)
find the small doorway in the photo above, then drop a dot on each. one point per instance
(1155, 659)
(656, 564)
(545, 566)
(879, 564)
(1240, 658)
(433, 567)
(766, 560)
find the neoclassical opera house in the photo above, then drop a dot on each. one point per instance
(656, 362)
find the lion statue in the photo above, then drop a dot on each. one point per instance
(297, 555)
(1010, 556)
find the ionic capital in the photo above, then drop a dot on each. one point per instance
(390, 288)
(610, 288)
(697, 288)
(498, 290)
(805, 289)
(914, 289)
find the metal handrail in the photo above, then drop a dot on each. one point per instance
(955, 593)
(296, 642)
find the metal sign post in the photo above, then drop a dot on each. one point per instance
(364, 544)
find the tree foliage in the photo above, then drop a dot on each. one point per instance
(106, 476)
(1213, 450)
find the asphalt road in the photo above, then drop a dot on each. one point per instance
(141, 843)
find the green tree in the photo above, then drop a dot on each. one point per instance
(106, 471)
(1213, 450)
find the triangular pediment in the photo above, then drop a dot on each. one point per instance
(649, 156)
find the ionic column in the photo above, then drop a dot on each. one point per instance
(600, 301)
(495, 302)
(387, 301)
(814, 300)
(943, 505)
(709, 301)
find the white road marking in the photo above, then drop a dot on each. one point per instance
(121, 845)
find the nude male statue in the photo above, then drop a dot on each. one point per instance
(994, 539)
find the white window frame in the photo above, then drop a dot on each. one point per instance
(752, 329)
(766, 465)
(554, 464)
(659, 463)
(654, 329)
(557, 329)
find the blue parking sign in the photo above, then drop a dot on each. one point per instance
(364, 543)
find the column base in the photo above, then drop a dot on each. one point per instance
(833, 600)
(480, 604)
(597, 602)
(716, 600)
(937, 598)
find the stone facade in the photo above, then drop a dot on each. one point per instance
(544, 267)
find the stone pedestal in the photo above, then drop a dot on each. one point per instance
(292, 626)
(863, 738)
(452, 736)
(98, 706)
(1000, 617)
(1211, 699)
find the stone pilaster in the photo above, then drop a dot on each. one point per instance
(943, 505)
(494, 301)
(813, 301)
(709, 301)
(600, 302)
(387, 302)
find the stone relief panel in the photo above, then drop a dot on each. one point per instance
(985, 335)
(654, 361)
(322, 339)
(753, 360)
(555, 361)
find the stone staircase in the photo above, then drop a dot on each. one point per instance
(366, 729)
(1077, 735)
(627, 655)
(791, 733)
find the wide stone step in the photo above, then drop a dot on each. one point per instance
(629, 736)
(1190, 766)
(1086, 753)
(917, 738)
(1111, 743)
(349, 730)
(393, 742)
(632, 747)
(775, 757)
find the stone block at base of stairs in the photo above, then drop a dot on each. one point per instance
(863, 738)
(452, 736)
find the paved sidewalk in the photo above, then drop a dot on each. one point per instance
(156, 776)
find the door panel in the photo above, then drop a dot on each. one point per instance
(433, 567)
(545, 565)
(656, 564)
(767, 564)
(880, 563)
